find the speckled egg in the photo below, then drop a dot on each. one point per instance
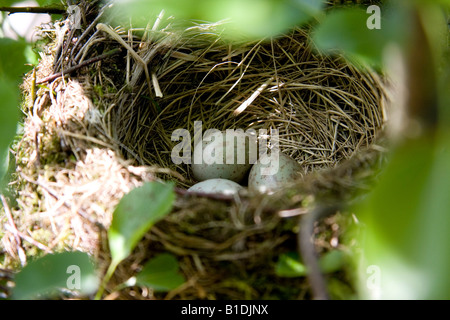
(216, 163)
(269, 177)
(216, 186)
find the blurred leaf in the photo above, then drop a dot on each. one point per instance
(8, 3)
(332, 261)
(135, 214)
(434, 2)
(289, 265)
(12, 68)
(31, 56)
(46, 276)
(13, 59)
(340, 290)
(47, 3)
(9, 97)
(248, 18)
(345, 31)
(161, 273)
(407, 218)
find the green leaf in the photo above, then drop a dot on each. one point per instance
(13, 59)
(289, 265)
(9, 97)
(12, 68)
(161, 273)
(346, 31)
(332, 261)
(48, 3)
(46, 276)
(246, 18)
(435, 2)
(135, 214)
(8, 3)
(407, 219)
(31, 56)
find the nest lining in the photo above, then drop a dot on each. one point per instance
(91, 138)
(323, 108)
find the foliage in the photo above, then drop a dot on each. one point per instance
(12, 67)
(354, 40)
(160, 273)
(289, 265)
(135, 214)
(45, 276)
(133, 217)
(250, 18)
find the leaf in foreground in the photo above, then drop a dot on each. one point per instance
(46, 276)
(135, 214)
(407, 218)
(345, 31)
(161, 273)
(289, 265)
(12, 67)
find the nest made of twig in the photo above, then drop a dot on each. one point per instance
(91, 137)
(323, 108)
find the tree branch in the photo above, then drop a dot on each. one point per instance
(74, 68)
(308, 252)
(12, 10)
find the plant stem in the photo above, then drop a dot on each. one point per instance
(112, 267)
(74, 68)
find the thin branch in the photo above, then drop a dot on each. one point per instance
(55, 195)
(78, 66)
(103, 27)
(214, 196)
(308, 251)
(14, 231)
(31, 240)
(12, 10)
(6, 274)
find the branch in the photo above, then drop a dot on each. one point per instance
(12, 10)
(214, 196)
(308, 251)
(74, 68)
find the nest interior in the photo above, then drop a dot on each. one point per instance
(101, 130)
(323, 108)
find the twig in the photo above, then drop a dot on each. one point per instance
(32, 241)
(6, 274)
(103, 27)
(252, 98)
(81, 65)
(12, 10)
(14, 231)
(216, 196)
(54, 194)
(308, 251)
(86, 32)
(87, 138)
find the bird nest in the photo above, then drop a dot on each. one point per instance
(104, 126)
